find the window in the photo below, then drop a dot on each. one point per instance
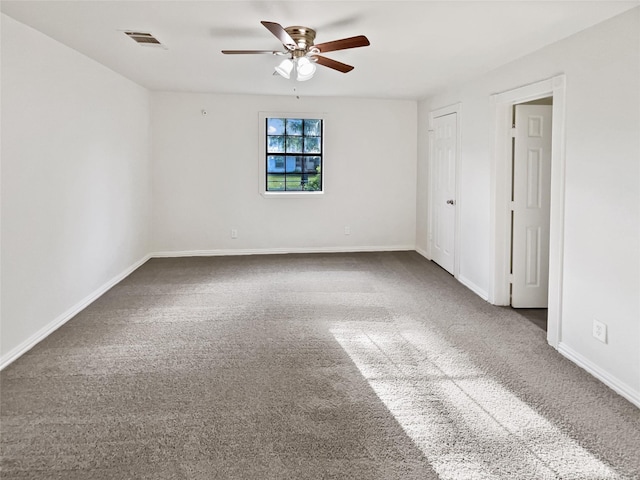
(293, 154)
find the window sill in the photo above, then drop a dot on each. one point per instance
(291, 194)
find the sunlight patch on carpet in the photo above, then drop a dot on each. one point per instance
(466, 424)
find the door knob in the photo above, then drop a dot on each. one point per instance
(451, 202)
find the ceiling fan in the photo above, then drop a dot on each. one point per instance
(301, 53)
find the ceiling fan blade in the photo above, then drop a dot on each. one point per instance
(250, 52)
(343, 44)
(328, 62)
(280, 33)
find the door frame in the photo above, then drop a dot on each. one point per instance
(441, 112)
(501, 179)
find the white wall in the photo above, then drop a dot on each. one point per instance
(602, 224)
(76, 187)
(206, 171)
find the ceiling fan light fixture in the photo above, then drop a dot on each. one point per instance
(285, 68)
(305, 69)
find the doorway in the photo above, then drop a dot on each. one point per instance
(530, 207)
(501, 190)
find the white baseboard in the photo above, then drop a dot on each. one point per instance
(467, 283)
(278, 251)
(612, 382)
(423, 253)
(56, 323)
(474, 288)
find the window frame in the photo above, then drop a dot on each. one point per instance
(262, 156)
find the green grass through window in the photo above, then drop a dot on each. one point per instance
(277, 182)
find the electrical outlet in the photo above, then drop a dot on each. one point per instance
(600, 331)
(347, 230)
(234, 233)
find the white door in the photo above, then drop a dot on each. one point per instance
(444, 191)
(531, 206)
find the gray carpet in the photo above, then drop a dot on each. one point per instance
(341, 366)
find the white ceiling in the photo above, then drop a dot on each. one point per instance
(417, 47)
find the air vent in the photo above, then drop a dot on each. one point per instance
(144, 39)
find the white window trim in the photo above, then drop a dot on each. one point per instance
(262, 155)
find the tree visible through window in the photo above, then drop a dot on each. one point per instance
(294, 154)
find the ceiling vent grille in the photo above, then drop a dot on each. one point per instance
(144, 39)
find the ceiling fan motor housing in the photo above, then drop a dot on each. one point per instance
(304, 37)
